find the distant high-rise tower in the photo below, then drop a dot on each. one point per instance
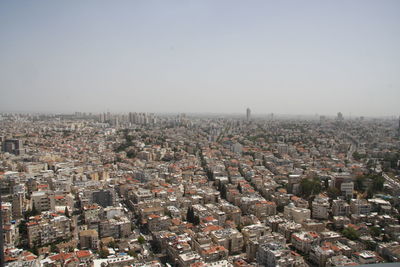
(398, 130)
(340, 116)
(248, 114)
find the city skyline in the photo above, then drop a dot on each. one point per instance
(201, 57)
(199, 133)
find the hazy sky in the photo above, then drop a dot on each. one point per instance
(291, 57)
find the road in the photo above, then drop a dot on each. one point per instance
(393, 183)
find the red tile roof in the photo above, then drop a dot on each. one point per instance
(83, 253)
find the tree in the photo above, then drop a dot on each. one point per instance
(190, 215)
(103, 253)
(34, 250)
(210, 175)
(23, 232)
(359, 183)
(377, 184)
(111, 244)
(239, 188)
(358, 156)
(280, 208)
(53, 248)
(333, 192)
(351, 233)
(370, 164)
(131, 154)
(310, 187)
(34, 211)
(66, 212)
(326, 183)
(223, 191)
(196, 220)
(27, 214)
(375, 231)
(141, 240)
(132, 253)
(370, 193)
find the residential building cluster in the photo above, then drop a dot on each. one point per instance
(141, 189)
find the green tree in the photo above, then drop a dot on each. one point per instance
(375, 231)
(351, 233)
(34, 250)
(34, 211)
(359, 183)
(377, 184)
(141, 240)
(196, 220)
(66, 212)
(358, 156)
(310, 187)
(370, 192)
(223, 190)
(333, 192)
(370, 164)
(132, 253)
(27, 214)
(210, 175)
(190, 215)
(239, 188)
(103, 253)
(53, 248)
(131, 154)
(23, 232)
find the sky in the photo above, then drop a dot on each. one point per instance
(205, 56)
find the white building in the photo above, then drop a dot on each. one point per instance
(296, 214)
(360, 206)
(320, 208)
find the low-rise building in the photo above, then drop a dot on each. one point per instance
(340, 208)
(230, 238)
(320, 208)
(276, 254)
(360, 206)
(296, 214)
(89, 239)
(303, 241)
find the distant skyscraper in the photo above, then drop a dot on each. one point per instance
(248, 114)
(340, 116)
(398, 130)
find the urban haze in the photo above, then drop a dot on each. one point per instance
(286, 57)
(199, 133)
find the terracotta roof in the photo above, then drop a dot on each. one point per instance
(61, 256)
(7, 259)
(83, 253)
(214, 249)
(209, 218)
(30, 258)
(212, 228)
(153, 216)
